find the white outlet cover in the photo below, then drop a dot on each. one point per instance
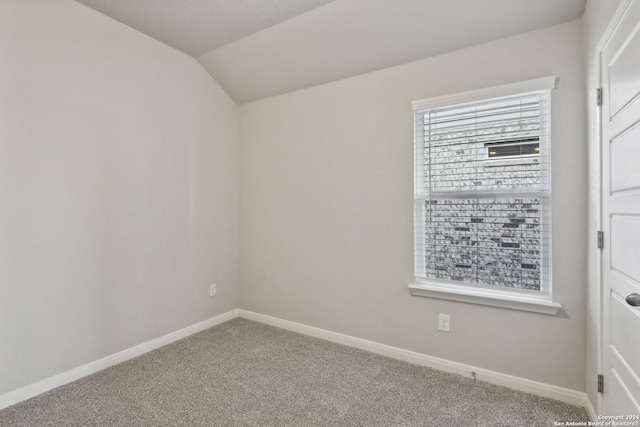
(212, 290)
(444, 322)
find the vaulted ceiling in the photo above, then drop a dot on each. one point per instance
(260, 48)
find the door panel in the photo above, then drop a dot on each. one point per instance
(623, 318)
(625, 152)
(623, 72)
(620, 74)
(625, 245)
(621, 401)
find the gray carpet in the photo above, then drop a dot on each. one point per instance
(243, 373)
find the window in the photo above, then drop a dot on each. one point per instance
(482, 196)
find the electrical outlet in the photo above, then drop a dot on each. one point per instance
(212, 290)
(444, 322)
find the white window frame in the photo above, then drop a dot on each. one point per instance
(533, 301)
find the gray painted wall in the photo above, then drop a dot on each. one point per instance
(119, 190)
(327, 210)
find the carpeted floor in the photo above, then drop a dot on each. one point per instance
(243, 373)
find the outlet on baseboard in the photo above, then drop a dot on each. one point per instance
(212, 290)
(444, 322)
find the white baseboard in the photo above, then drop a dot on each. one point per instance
(566, 395)
(50, 383)
(529, 386)
(593, 414)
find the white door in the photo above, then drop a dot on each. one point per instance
(620, 72)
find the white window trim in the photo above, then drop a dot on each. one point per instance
(532, 301)
(514, 300)
(534, 85)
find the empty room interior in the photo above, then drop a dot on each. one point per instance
(445, 185)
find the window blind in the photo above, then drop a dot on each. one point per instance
(482, 189)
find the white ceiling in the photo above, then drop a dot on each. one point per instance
(199, 26)
(260, 48)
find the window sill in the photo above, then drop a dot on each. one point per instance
(485, 297)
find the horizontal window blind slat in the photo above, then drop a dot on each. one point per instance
(489, 104)
(490, 117)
